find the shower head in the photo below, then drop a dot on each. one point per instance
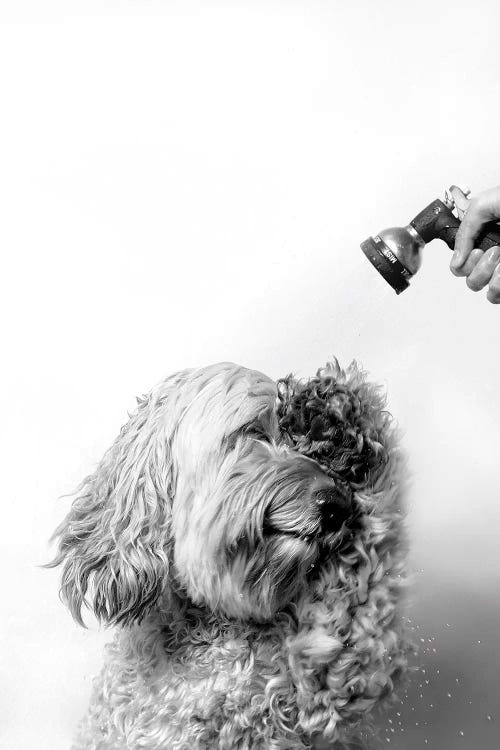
(396, 253)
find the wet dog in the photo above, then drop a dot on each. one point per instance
(247, 539)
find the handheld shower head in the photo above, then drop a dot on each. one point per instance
(396, 253)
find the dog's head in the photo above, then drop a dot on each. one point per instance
(227, 486)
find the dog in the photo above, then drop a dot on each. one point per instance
(247, 538)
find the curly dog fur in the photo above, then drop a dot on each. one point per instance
(248, 539)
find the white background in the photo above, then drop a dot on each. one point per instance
(184, 183)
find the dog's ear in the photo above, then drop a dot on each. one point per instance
(113, 543)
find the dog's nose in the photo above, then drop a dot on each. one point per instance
(336, 505)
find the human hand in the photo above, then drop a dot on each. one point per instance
(480, 268)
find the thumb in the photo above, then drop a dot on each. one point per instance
(474, 219)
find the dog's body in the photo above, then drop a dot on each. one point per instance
(247, 537)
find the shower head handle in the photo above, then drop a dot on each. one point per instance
(437, 221)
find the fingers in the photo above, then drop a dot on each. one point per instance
(494, 287)
(476, 255)
(483, 271)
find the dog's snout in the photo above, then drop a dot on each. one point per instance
(336, 505)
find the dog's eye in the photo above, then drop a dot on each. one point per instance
(253, 430)
(257, 431)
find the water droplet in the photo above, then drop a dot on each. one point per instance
(479, 641)
(461, 733)
(488, 717)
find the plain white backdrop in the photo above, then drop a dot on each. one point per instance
(183, 183)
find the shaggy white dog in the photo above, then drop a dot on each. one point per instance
(247, 538)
